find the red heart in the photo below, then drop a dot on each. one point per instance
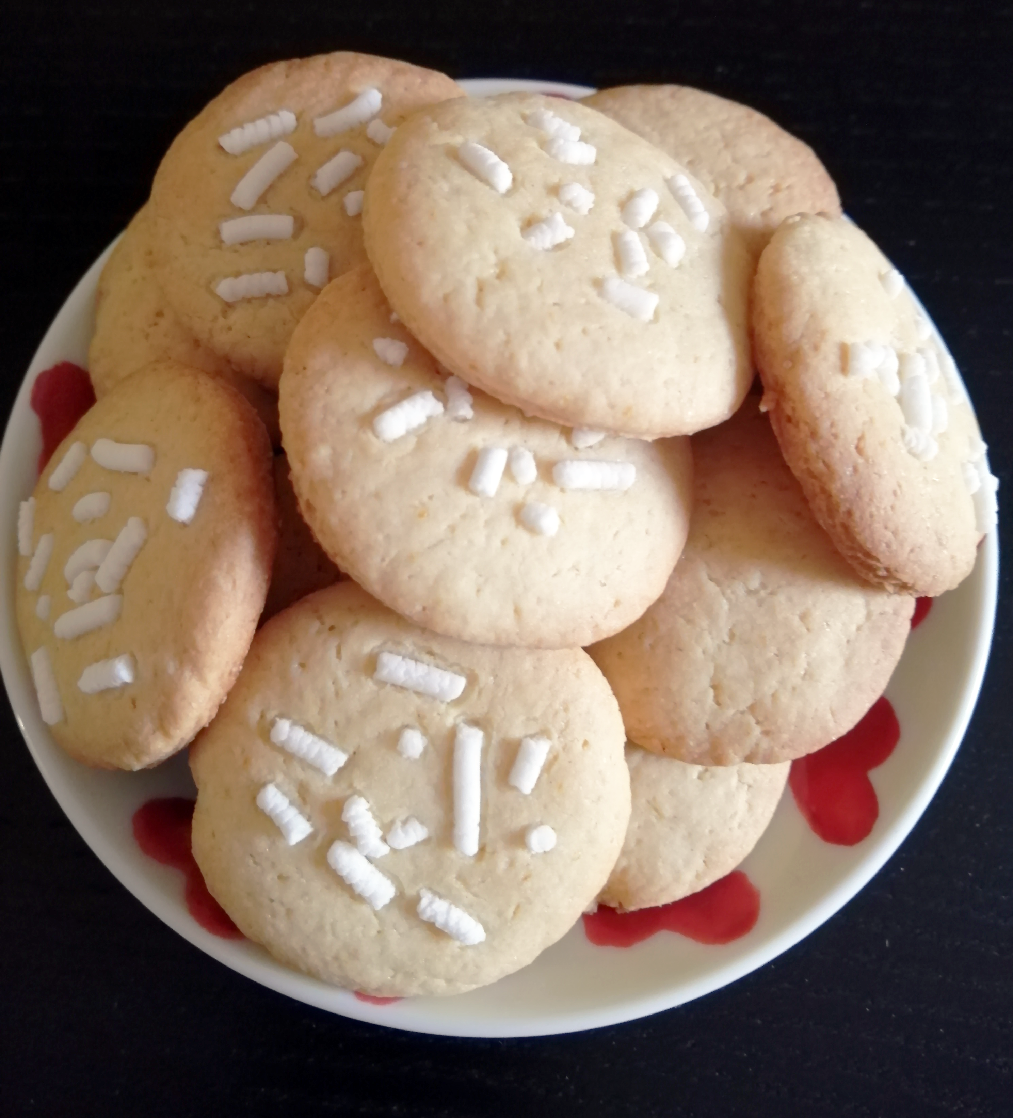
(832, 787)
(722, 912)
(373, 999)
(162, 831)
(60, 396)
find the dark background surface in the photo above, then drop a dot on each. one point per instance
(106, 1011)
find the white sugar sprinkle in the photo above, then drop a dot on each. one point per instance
(923, 328)
(552, 125)
(450, 919)
(86, 556)
(587, 474)
(283, 814)
(522, 465)
(113, 568)
(186, 494)
(583, 437)
(640, 208)
(330, 175)
(666, 242)
(360, 875)
(932, 369)
(910, 365)
(577, 197)
(916, 402)
(314, 750)
(274, 162)
(124, 458)
(920, 444)
(352, 202)
(411, 743)
(256, 227)
(528, 763)
(486, 165)
(630, 255)
(26, 526)
(548, 233)
(986, 506)
(488, 471)
(459, 400)
(940, 415)
(415, 675)
(71, 462)
(316, 266)
(407, 416)
(541, 519)
(687, 198)
(362, 108)
(39, 563)
(91, 506)
(42, 607)
(93, 615)
(634, 301)
(467, 782)
(81, 586)
(255, 132)
(893, 282)
(251, 285)
(407, 832)
(379, 132)
(106, 675)
(571, 151)
(46, 690)
(390, 351)
(540, 840)
(870, 360)
(363, 827)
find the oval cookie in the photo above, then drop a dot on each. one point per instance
(256, 204)
(765, 644)
(761, 173)
(145, 555)
(458, 511)
(868, 408)
(401, 813)
(689, 826)
(559, 262)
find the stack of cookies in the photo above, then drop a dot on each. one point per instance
(503, 353)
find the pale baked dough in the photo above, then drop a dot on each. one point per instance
(314, 665)
(533, 327)
(400, 517)
(765, 644)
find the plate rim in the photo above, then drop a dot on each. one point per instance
(14, 670)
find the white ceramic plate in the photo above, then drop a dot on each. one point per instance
(574, 985)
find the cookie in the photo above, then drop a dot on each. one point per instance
(459, 512)
(765, 644)
(300, 565)
(134, 325)
(401, 813)
(761, 173)
(145, 552)
(689, 826)
(869, 409)
(552, 258)
(256, 204)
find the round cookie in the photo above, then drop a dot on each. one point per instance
(513, 842)
(145, 555)
(690, 826)
(628, 317)
(868, 408)
(312, 158)
(761, 173)
(509, 558)
(765, 644)
(300, 566)
(134, 325)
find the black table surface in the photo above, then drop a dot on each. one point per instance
(903, 1002)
